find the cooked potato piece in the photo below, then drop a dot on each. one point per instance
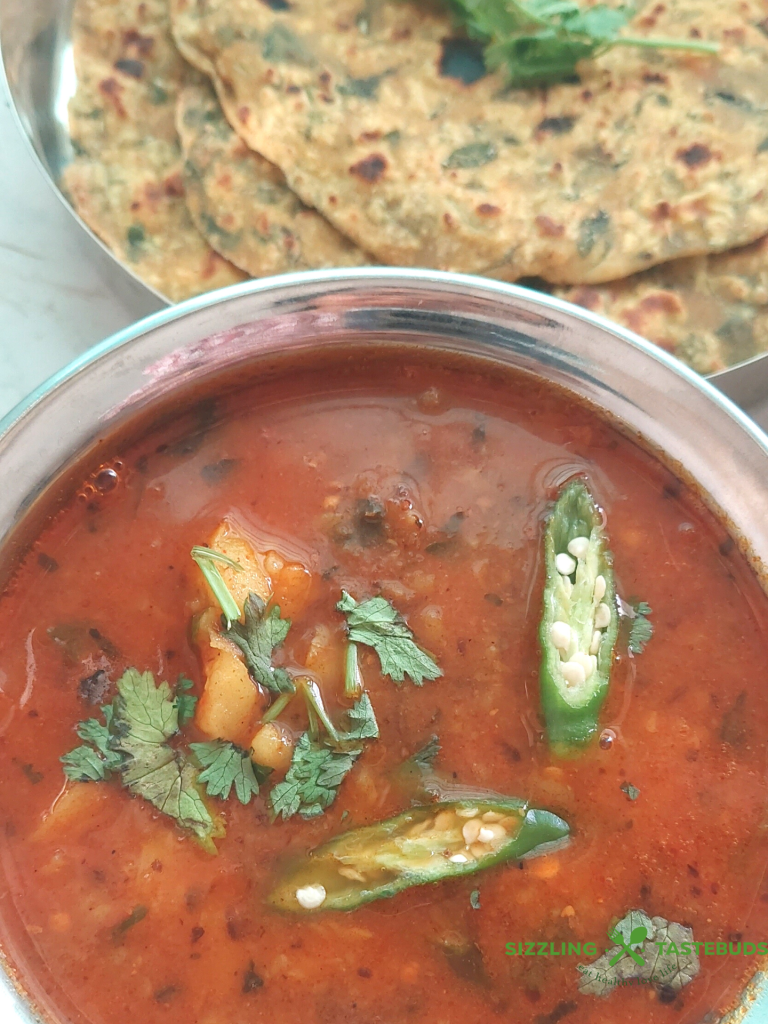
(75, 810)
(292, 587)
(231, 702)
(253, 577)
(326, 653)
(272, 747)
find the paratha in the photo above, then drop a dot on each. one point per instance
(125, 181)
(241, 204)
(711, 312)
(653, 155)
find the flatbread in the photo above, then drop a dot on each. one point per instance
(711, 312)
(125, 181)
(240, 202)
(654, 155)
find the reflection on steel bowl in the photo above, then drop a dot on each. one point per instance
(362, 631)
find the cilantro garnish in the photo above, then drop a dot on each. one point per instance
(313, 779)
(165, 778)
(320, 764)
(144, 713)
(538, 42)
(426, 756)
(474, 899)
(257, 637)
(206, 559)
(641, 630)
(353, 677)
(380, 626)
(226, 765)
(133, 743)
(631, 792)
(362, 721)
(185, 701)
(145, 717)
(96, 762)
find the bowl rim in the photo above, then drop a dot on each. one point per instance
(386, 276)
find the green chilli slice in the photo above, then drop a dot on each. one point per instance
(422, 845)
(580, 619)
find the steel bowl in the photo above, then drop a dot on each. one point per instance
(150, 367)
(39, 73)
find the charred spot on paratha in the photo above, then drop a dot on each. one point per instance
(371, 168)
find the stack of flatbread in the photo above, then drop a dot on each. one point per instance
(221, 139)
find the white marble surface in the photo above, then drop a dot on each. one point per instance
(57, 296)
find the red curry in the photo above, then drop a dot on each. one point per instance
(428, 486)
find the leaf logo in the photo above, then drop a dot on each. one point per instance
(637, 938)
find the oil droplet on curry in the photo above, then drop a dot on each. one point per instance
(383, 690)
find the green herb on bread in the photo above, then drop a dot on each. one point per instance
(539, 42)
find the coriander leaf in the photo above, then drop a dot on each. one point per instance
(225, 766)
(84, 764)
(257, 637)
(656, 943)
(474, 899)
(400, 656)
(631, 791)
(144, 712)
(641, 629)
(206, 559)
(425, 758)
(313, 779)
(92, 731)
(185, 702)
(538, 42)
(362, 719)
(378, 625)
(316, 710)
(137, 724)
(166, 779)
(333, 770)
